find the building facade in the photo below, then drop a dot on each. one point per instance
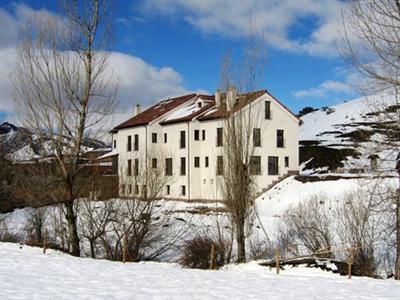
(175, 149)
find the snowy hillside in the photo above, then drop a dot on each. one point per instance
(20, 144)
(27, 273)
(355, 129)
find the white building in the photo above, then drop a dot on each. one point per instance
(183, 137)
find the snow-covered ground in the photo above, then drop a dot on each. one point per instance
(27, 273)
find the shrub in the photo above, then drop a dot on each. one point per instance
(197, 253)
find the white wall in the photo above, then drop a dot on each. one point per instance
(201, 183)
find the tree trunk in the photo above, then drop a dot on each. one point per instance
(397, 267)
(73, 231)
(241, 241)
(92, 251)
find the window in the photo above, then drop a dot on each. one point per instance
(279, 138)
(136, 173)
(129, 189)
(154, 138)
(183, 166)
(256, 137)
(168, 166)
(220, 165)
(136, 142)
(255, 165)
(129, 144)
(115, 144)
(123, 189)
(268, 110)
(197, 162)
(219, 137)
(286, 161)
(129, 168)
(144, 191)
(203, 133)
(273, 167)
(154, 163)
(165, 138)
(136, 189)
(199, 104)
(168, 190)
(197, 135)
(206, 162)
(183, 190)
(182, 142)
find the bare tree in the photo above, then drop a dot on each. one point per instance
(309, 223)
(94, 218)
(35, 224)
(62, 84)
(145, 226)
(240, 118)
(371, 38)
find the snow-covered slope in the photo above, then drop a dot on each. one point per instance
(360, 125)
(20, 144)
(27, 273)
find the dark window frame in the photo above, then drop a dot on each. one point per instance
(129, 168)
(267, 110)
(256, 137)
(220, 138)
(136, 143)
(129, 144)
(154, 137)
(154, 163)
(168, 167)
(183, 190)
(196, 135)
(255, 165)
(287, 162)
(206, 162)
(182, 140)
(220, 165)
(197, 161)
(182, 167)
(203, 134)
(136, 166)
(273, 165)
(280, 138)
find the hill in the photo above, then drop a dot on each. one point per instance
(350, 135)
(19, 143)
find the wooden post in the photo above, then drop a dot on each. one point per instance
(124, 249)
(349, 261)
(44, 241)
(212, 257)
(277, 260)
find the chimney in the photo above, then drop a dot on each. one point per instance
(217, 98)
(137, 110)
(230, 98)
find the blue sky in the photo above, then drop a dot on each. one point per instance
(170, 47)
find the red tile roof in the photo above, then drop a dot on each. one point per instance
(154, 112)
(165, 106)
(243, 100)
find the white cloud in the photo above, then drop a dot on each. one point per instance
(139, 82)
(275, 18)
(327, 89)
